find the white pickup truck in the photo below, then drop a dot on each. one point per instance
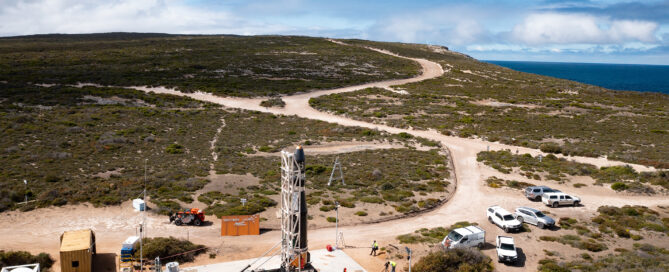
(503, 218)
(506, 249)
(471, 236)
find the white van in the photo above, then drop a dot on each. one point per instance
(471, 236)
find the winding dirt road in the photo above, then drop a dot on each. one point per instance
(471, 196)
(467, 204)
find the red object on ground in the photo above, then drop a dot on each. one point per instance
(329, 248)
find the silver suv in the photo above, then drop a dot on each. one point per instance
(534, 217)
(557, 199)
(535, 192)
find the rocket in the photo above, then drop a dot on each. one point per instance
(300, 182)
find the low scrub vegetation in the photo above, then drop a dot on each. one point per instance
(11, 258)
(169, 247)
(576, 242)
(91, 145)
(274, 102)
(224, 65)
(644, 257)
(622, 220)
(459, 259)
(406, 178)
(553, 168)
(477, 99)
(495, 182)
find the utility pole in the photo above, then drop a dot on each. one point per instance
(141, 226)
(337, 225)
(141, 250)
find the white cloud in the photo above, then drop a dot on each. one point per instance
(453, 26)
(625, 30)
(558, 28)
(170, 16)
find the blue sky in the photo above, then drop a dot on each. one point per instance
(549, 30)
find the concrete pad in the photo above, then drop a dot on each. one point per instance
(321, 259)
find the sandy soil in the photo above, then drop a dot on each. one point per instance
(39, 230)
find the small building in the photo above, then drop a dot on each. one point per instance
(235, 225)
(76, 251)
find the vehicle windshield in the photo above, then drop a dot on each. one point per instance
(506, 246)
(454, 236)
(548, 190)
(540, 214)
(508, 217)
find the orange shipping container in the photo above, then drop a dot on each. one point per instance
(235, 225)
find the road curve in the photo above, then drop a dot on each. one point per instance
(469, 178)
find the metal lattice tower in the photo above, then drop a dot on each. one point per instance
(293, 211)
(336, 165)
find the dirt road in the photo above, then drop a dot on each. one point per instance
(38, 230)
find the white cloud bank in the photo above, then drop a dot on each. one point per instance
(556, 28)
(20, 17)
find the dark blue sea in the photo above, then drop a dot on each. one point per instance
(630, 77)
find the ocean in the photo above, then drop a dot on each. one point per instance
(630, 77)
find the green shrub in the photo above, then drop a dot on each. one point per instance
(361, 213)
(619, 186)
(550, 148)
(11, 258)
(164, 246)
(273, 102)
(174, 149)
(331, 219)
(453, 260)
(233, 206)
(550, 265)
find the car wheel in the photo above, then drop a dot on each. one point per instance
(540, 225)
(489, 219)
(177, 222)
(537, 198)
(480, 245)
(575, 203)
(506, 229)
(197, 222)
(555, 204)
(520, 219)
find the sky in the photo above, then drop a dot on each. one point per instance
(633, 32)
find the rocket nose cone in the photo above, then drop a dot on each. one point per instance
(299, 154)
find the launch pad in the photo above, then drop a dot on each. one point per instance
(324, 260)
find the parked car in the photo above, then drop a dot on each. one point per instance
(557, 199)
(506, 249)
(471, 236)
(534, 217)
(535, 192)
(503, 218)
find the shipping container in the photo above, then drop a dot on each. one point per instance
(129, 247)
(235, 225)
(76, 251)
